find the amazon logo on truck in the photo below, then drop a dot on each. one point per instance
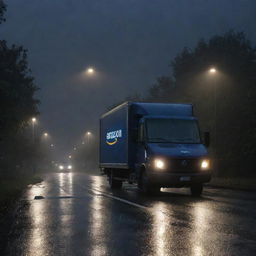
(112, 137)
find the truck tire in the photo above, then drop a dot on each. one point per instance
(196, 189)
(113, 183)
(146, 187)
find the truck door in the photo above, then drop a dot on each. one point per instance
(140, 155)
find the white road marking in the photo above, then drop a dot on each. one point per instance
(119, 199)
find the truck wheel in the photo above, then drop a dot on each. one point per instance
(144, 183)
(113, 183)
(146, 187)
(196, 189)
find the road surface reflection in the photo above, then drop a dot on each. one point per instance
(80, 215)
(160, 234)
(98, 222)
(37, 236)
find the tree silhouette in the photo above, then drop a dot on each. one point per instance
(17, 106)
(17, 103)
(2, 10)
(235, 86)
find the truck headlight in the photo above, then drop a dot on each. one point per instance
(159, 164)
(205, 164)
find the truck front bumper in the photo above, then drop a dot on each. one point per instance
(168, 179)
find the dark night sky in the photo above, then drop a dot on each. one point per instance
(129, 42)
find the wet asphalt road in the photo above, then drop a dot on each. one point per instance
(80, 215)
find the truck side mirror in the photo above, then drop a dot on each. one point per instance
(207, 139)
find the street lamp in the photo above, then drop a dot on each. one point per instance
(87, 137)
(33, 119)
(213, 72)
(90, 71)
(46, 134)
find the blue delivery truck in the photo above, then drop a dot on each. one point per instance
(154, 145)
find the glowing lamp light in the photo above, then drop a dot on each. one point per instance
(212, 70)
(90, 70)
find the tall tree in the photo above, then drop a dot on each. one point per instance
(2, 10)
(17, 88)
(17, 106)
(233, 85)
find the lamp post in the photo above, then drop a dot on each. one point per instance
(88, 136)
(33, 119)
(213, 72)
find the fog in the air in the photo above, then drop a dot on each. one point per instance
(128, 42)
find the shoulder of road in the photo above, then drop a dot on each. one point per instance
(10, 191)
(246, 184)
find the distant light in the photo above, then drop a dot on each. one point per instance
(33, 119)
(46, 134)
(212, 70)
(88, 133)
(61, 167)
(74, 148)
(90, 71)
(69, 167)
(83, 142)
(69, 156)
(52, 145)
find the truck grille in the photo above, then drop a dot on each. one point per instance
(184, 165)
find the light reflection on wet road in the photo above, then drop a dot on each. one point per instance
(80, 215)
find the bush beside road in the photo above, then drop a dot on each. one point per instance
(234, 183)
(11, 189)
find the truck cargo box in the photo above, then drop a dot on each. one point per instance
(116, 128)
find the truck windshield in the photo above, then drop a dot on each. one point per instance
(172, 131)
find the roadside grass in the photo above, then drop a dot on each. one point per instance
(11, 189)
(234, 183)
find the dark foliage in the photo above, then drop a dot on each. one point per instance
(17, 103)
(2, 10)
(17, 106)
(233, 85)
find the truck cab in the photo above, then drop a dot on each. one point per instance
(170, 153)
(154, 145)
